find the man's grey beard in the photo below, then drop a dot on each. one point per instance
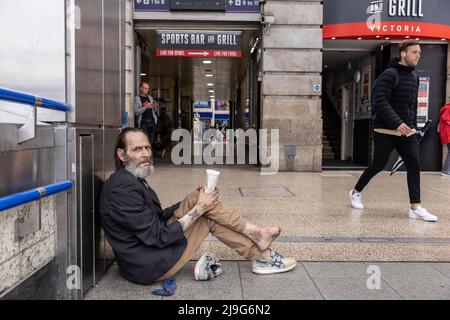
(140, 173)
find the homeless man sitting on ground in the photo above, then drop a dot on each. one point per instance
(152, 244)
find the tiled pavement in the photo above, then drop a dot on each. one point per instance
(334, 243)
(308, 281)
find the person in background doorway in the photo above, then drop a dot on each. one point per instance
(144, 112)
(395, 95)
(444, 133)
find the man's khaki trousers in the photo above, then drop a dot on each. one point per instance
(225, 224)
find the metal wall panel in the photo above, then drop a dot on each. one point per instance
(89, 63)
(112, 62)
(63, 246)
(110, 136)
(86, 213)
(19, 171)
(90, 178)
(32, 55)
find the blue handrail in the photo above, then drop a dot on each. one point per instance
(20, 198)
(19, 97)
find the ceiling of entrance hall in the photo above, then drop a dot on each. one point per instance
(337, 53)
(227, 72)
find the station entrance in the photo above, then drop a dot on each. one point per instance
(349, 68)
(203, 76)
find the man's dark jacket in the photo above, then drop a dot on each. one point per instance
(395, 105)
(135, 225)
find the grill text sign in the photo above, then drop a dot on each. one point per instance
(226, 44)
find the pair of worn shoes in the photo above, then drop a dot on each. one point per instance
(208, 267)
(419, 213)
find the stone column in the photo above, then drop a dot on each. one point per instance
(129, 62)
(292, 66)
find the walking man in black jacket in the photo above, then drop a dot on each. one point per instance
(152, 244)
(395, 122)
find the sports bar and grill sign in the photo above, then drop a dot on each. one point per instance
(197, 44)
(374, 19)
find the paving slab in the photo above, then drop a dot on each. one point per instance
(293, 285)
(354, 289)
(225, 287)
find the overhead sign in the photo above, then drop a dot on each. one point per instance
(198, 44)
(236, 6)
(151, 5)
(198, 5)
(373, 19)
(243, 6)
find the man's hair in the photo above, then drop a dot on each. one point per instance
(121, 143)
(142, 84)
(403, 46)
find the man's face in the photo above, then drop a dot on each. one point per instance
(144, 89)
(137, 159)
(411, 56)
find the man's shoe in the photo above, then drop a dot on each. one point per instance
(355, 199)
(444, 174)
(276, 264)
(207, 267)
(421, 214)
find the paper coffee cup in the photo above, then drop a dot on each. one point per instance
(212, 176)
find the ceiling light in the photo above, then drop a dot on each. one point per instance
(407, 37)
(417, 39)
(333, 38)
(325, 66)
(210, 84)
(207, 61)
(377, 36)
(143, 74)
(212, 97)
(208, 75)
(444, 39)
(359, 38)
(211, 91)
(387, 38)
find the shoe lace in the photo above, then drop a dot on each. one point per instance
(276, 259)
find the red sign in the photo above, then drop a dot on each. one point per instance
(189, 53)
(386, 29)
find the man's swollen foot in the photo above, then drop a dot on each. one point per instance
(262, 236)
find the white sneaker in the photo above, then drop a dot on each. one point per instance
(275, 264)
(355, 198)
(445, 174)
(421, 214)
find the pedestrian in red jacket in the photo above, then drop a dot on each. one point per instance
(444, 132)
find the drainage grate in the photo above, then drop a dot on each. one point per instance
(267, 192)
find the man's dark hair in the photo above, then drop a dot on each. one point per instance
(142, 83)
(403, 46)
(121, 143)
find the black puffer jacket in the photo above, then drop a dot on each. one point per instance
(394, 106)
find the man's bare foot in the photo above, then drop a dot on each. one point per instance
(263, 237)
